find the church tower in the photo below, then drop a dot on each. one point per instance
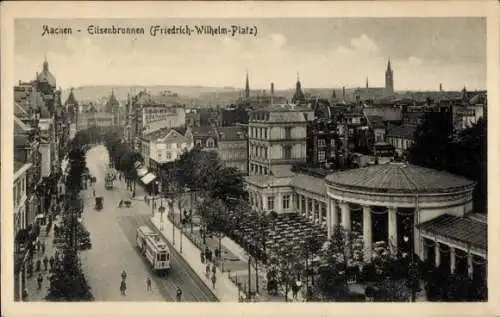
(299, 95)
(247, 88)
(389, 80)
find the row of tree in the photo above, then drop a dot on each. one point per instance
(67, 281)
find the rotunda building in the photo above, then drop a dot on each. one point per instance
(388, 202)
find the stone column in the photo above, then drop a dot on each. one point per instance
(329, 218)
(452, 260)
(367, 233)
(470, 266)
(437, 254)
(307, 207)
(314, 210)
(346, 216)
(334, 216)
(393, 227)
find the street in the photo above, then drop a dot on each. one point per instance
(113, 231)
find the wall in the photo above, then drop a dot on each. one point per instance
(46, 159)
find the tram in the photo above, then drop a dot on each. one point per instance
(154, 248)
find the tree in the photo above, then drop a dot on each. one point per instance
(464, 155)
(68, 283)
(332, 273)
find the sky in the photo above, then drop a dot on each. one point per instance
(324, 52)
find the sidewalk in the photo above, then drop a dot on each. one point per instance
(224, 290)
(35, 294)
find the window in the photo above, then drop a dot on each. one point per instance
(210, 143)
(321, 142)
(287, 152)
(288, 133)
(286, 201)
(270, 203)
(168, 155)
(321, 156)
(265, 133)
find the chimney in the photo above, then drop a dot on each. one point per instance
(441, 87)
(272, 93)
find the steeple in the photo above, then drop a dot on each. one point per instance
(45, 64)
(389, 69)
(389, 80)
(247, 88)
(366, 82)
(299, 95)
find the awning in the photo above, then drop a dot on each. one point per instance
(148, 178)
(141, 172)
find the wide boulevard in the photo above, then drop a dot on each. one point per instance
(112, 231)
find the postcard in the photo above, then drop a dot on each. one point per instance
(253, 158)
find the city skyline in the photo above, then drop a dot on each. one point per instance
(327, 53)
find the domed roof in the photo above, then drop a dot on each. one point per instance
(45, 76)
(398, 178)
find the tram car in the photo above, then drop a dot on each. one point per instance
(154, 248)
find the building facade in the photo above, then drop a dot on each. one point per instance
(232, 147)
(165, 146)
(277, 136)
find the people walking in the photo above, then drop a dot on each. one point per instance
(45, 263)
(43, 247)
(124, 275)
(123, 287)
(214, 279)
(148, 284)
(179, 294)
(51, 262)
(38, 265)
(39, 280)
(207, 270)
(202, 257)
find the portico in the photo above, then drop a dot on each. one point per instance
(390, 200)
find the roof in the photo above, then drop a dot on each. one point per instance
(233, 133)
(376, 121)
(462, 229)
(71, 100)
(155, 135)
(265, 180)
(46, 77)
(203, 131)
(398, 177)
(309, 183)
(404, 131)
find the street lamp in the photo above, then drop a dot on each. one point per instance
(412, 269)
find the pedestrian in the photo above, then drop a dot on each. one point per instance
(146, 199)
(179, 294)
(214, 279)
(39, 280)
(124, 275)
(25, 294)
(38, 265)
(45, 263)
(93, 191)
(38, 244)
(148, 284)
(43, 247)
(214, 269)
(123, 287)
(207, 270)
(202, 257)
(51, 262)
